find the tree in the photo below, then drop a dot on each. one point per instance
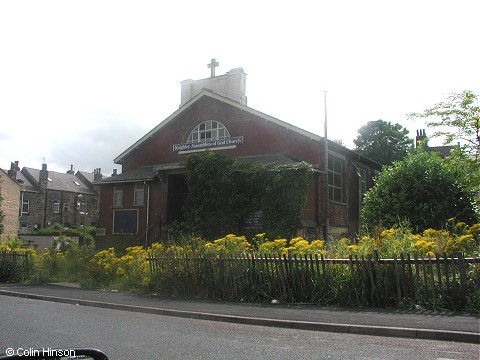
(382, 141)
(422, 189)
(458, 120)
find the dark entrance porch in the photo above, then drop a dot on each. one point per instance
(177, 193)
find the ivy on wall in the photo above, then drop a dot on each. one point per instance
(223, 192)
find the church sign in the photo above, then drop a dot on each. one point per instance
(219, 144)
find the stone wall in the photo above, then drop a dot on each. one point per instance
(10, 192)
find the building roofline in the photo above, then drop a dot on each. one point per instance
(6, 175)
(209, 93)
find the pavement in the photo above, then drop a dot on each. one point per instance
(418, 324)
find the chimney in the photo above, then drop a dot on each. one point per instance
(114, 172)
(97, 174)
(421, 138)
(71, 172)
(43, 176)
(13, 170)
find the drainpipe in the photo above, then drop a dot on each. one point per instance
(359, 174)
(148, 213)
(22, 192)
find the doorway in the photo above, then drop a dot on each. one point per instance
(177, 193)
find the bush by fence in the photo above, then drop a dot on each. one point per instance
(449, 282)
(14, 266)
(295, 270)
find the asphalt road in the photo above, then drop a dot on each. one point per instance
(26, 323)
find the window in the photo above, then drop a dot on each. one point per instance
(56, 206)
(363, 182)
(139, 195)
(25, 206)
(117, 196)
(208, 130)
(125, 221)
(66, 207)
(335, 179)
(82, 207)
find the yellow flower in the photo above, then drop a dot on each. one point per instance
(474, 229)
(5, 247)
(460, 226)
(317, 247)
(352, 248)
(299, 246)
(275, 247)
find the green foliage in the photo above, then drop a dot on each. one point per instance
(423, 189)
(69, 264)
(457, 119)
(16, 263)
(87, 234)
(217, 199)
(285, 194)
(383, 141)
(13, 242)
(223, 192)
(232, 268)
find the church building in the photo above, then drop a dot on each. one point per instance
(148, 194)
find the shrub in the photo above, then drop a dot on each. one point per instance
(422, 188)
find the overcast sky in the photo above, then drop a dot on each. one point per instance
(81, 81)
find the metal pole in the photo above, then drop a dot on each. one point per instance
(148, 214)
(327, 200)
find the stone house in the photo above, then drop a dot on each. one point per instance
(10, 199)
(48, 197)
(422, 140)
(213, 115)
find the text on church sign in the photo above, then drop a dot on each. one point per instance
(208, 144)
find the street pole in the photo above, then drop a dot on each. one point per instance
(327, 200)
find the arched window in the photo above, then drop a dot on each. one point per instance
(208, 130)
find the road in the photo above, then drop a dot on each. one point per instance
(26, 323)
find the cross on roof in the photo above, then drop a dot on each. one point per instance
(213, 64)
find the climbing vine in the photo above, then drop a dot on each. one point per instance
(223, 192)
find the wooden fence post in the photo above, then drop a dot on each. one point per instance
(397, 278)
(463, 276)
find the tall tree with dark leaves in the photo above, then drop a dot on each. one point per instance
(383, 141)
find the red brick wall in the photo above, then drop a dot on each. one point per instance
(158, 207)
(260, 136)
